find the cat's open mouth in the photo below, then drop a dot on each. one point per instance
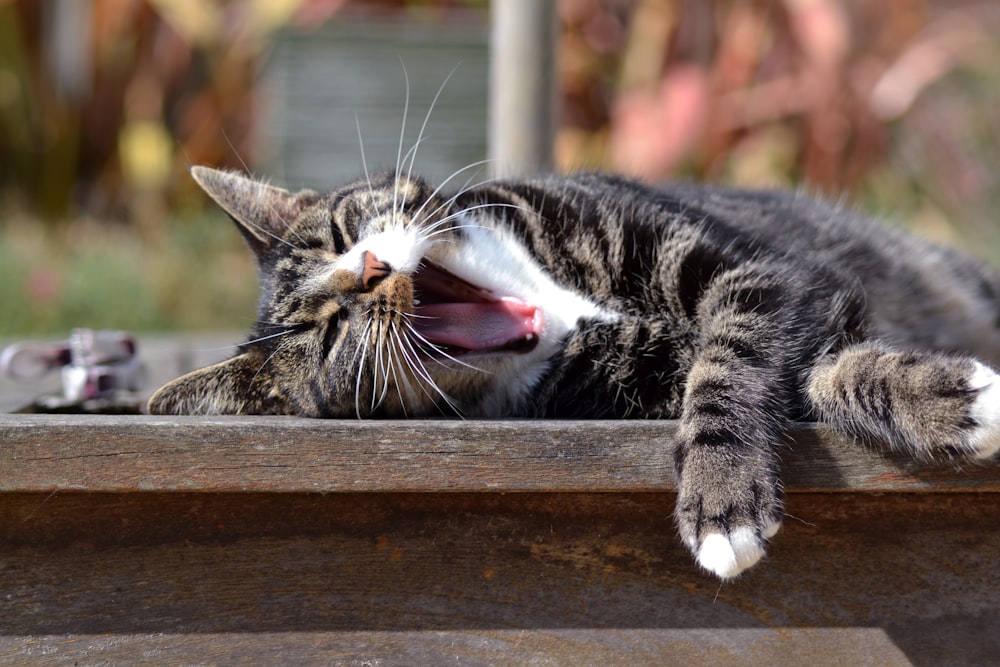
(457, 316)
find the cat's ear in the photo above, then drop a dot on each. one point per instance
(225, 388)
(262, 212)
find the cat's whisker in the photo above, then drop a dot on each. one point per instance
(375, 383)
(427, 117)
(288, 226)
(439, 232)
(268, 232)
(413, 357)
(477, 207)
(445, 206)
(436, 228)
(437, 350)
(466, 187)
(446, 227)
(268, 337)
(391, 376)
(456, 214)
(416, 214)
(362, 339)
(399, 150)
(406, 368)
(437, 392)
(380, 365)
(393, 366)
(404, 347)
(277, 349)
(280, 325)
(417, 317)
(420, 385)
(419, 368)
(410, 158)
(270, 206)
(362, 348)
(364, 164)
(232, 147)
(407, 156)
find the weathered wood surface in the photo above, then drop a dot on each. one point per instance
(141, 453)
(488, 578)
(259, 540)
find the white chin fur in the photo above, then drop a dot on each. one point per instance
(493, 258)
(728, 557)
(985, 439)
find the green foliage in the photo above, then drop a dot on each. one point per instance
(197, 276)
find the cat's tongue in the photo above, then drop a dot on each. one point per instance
(494, 325)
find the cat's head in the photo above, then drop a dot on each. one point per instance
(362, 311)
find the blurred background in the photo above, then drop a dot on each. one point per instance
(891, 105)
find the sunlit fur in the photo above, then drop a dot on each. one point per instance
(326, 346)
(735, 311)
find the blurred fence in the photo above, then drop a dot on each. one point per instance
(348, 85)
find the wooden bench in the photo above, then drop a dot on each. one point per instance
(126, 540)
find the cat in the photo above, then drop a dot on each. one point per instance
(593, 296)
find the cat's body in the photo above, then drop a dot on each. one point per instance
(591, 296)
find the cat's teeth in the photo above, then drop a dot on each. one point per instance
(416, 302)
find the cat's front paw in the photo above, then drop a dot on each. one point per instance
(725, 517)
(984, 441)
(728, 555)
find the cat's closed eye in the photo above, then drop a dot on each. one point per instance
(331, 329)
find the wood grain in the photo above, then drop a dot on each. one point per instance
(487, 578)
(256, 540)
(271, 454)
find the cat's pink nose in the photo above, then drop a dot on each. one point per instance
(374, 270)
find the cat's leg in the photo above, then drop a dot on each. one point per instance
(735, 414)
(926, 403)
(729, 500)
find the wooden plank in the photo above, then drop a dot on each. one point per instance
(270, 454)
(471, 648)
(568, 578)
(743, 647)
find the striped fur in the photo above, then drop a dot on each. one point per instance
(734, 311)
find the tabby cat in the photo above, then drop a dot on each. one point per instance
(592, 296)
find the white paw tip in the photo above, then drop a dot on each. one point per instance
(771, 529)
(985, 439)
(717, 556)
(727, 557)
(747, 546)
